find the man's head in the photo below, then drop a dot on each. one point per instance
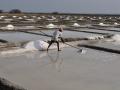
(60, 29)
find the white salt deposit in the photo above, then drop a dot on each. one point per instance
(30, 27)
(36, 45)
(20, 18)
(31, 46)
(14, 16)
(95, 37)
(115, 23)
(51, 26)
(10, 27)
(76, 25)
(40, 45)
(101, 24)
(39, 18)
(116, 37)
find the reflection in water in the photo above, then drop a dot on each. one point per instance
(28, 55)
(42, 58)
(36, 54)
(56, 60)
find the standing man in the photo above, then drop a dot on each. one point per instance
(55, 38)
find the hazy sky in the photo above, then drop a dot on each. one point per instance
(72, 6)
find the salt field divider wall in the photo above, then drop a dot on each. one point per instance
(101, 48)
(7, 85)
(87, 31)
(102, 29)
(42, 34)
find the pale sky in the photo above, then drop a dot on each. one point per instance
(67, 6)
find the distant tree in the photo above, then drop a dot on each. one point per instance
(55, 12)
(15, 11)
(1, 11)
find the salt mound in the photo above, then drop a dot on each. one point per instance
(36, 45)
(31, 46)
(51, 26)
(101, 24)
(116, 37)
(10, 27)
(76, 25)
(95, 37)
(39, 45)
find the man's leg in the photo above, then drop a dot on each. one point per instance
(58, 46)
(50, 44)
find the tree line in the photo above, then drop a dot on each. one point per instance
(12, 11)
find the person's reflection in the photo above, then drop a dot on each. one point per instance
(56, 60)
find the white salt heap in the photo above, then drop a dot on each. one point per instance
(76, 25)
(51, 26)
(36, 45)
(96, 37)
(9, 27)
(116, 37)
(32, 46)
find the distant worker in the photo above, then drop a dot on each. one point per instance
(55, 38)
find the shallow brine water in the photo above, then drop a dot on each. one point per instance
(20, 36)
(63, 70)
